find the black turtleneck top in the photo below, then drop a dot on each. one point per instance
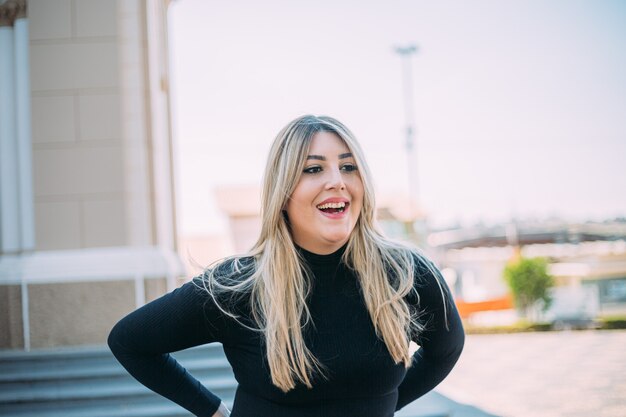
(362, 379)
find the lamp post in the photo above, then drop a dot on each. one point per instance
(406, 53)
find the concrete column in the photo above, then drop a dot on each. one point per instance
(9, 190)
(135, 122)
(16, 191)
(23, 130)
(160, 128)
(162, 159)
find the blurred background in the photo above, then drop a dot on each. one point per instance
(133, 139)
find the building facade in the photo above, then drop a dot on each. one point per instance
(87, 230)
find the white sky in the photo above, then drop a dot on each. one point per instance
(520, 105)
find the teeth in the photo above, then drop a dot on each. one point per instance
(331, 205)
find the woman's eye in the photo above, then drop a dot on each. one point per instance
(349, 167)
(312, 170)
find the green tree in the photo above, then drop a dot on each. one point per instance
(530, 283)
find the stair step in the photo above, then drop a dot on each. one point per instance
(87, 353)
(100, 369)
(156, 407)
(94, 389)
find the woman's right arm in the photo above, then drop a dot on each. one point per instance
(142, 341)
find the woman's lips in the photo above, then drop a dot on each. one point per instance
(337, 214)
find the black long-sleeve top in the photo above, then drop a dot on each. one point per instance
(362, 379)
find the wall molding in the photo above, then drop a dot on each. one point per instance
(85, 265)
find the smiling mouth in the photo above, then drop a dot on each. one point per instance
(333, 207)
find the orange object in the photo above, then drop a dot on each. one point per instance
(466, 308)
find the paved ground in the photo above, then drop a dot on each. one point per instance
(552, 374)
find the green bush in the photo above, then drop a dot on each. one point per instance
(612, 323)
(603, 323)
(530, 283)
(520, 326)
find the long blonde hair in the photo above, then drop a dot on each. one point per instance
(276, 283)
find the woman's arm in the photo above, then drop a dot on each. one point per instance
(440, 345)
(142, 341)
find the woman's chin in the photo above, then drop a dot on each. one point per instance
(337, 241)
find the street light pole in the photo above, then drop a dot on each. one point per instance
(406, 54)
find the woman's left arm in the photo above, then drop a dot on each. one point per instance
(440, 343)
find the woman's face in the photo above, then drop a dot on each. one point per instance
(326, 203)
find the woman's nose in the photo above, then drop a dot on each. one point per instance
(335, 180)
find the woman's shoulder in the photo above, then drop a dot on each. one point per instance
(430, 287)
(409, 258)
(226, 281)
(426, 276)
(412, 257)
(230, 270)
(225, 285)
(425, 267)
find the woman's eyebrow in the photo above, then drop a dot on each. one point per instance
(323, 158)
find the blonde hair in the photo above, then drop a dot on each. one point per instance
(276, 282)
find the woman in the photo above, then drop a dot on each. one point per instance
(317, 318)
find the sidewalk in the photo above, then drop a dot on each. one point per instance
(551, 374)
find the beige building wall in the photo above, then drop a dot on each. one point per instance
(78, 156)
(102, 174)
